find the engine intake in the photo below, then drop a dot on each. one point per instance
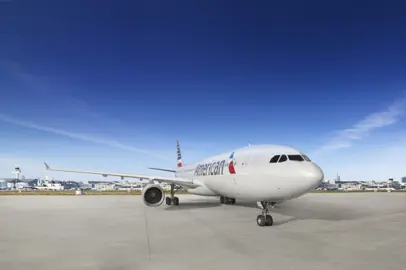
(153, 195)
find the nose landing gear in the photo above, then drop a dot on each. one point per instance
(265, 219)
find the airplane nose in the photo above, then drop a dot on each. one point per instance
(314, 174)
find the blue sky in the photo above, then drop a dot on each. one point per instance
(112, 86)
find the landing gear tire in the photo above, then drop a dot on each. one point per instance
(261, 221)
(268, 220)
(226, 200)
(265, 219)
(172, 199)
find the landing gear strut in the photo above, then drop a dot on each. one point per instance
(265, 219)
(226, 200)
(172, 199)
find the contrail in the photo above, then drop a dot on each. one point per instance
(79, 136)
(345, 138)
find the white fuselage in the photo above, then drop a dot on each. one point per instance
(254, 177)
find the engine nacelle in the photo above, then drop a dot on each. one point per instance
(153, 195)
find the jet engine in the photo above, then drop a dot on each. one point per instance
(153, 195)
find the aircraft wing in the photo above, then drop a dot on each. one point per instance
(170, 180)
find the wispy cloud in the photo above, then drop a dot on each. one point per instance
(79, 136)
(346, 137)
(60, 97)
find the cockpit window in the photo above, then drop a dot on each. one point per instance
(295, 157)
(283, 158)
(306, 158)
(274, 159)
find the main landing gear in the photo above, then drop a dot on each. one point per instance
(226, 200)
(172, 199)
(265, 219)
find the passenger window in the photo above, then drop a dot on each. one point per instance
(274, 159)
(295, 157)
(306, 158)
(283, 158)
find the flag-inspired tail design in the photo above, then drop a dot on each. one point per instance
(179, 158)
(179, 154)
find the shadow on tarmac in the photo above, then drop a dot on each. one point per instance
(296, 209)
(282, 222)
(301, 210)
(192, 205)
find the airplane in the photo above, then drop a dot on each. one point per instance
(265, 174)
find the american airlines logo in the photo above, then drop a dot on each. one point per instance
(231, 164)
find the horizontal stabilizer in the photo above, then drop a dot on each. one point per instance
(160, 169)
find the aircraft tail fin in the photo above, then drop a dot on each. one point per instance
(46, 166)
(179, 164)
(179, 160)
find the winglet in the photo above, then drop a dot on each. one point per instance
(46, 166)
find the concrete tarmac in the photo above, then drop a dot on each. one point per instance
(316, 231)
